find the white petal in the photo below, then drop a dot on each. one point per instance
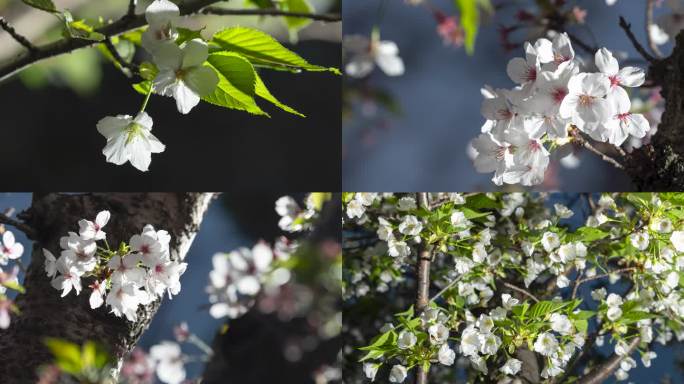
(631, 76)
(605, 62)
(115, 150)
(386, 47)
(155, 146)
(390, 62)
(102, 218)
(195, 52)
(161, 11)
(96, 299)
(202, 80)
(544, 50)
(518, 70)
(8, 239)
(638, 125)
(165, 82)
(186, 98)
(140, 155)
(144, 120)
(359, 66)
(168, 56)
(112, 125)
(568, 106)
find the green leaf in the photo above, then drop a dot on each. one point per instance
(583, 315)
(587, 234)
(470, 21)
(14, 285)
(263, 50)
(471, 214)
(263, 92)
(294, 24)
(634, 316)
(185, 34)
(143, 87)
(482, 201)
(67, 355)
(79, 29)
(380, 340)
(45, 5)
(148, 71)
(544, 307)
(581, 324)
(374, 354)
(236, 87)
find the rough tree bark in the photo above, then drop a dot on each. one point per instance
(659, 166)
(264, 335)
(45, 314)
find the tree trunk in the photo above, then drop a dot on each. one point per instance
(659, 166)
(45, 314)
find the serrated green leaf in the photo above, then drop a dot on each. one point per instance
(470, 21)
(45, 5)
(143, 87)
(263, 50)
(581, 324)
(263, 92)
(587, 234)
(237, 81)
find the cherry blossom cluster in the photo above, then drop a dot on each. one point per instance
(165, 359)
(135, 274)
(294, 218)
(237, 278)
(556, 99)
(180, 74)
(507, 271)
(9, 250)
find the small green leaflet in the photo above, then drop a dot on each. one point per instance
(79, 29)
(185, 34)
(45, 5)
(262, 50)
(470, 21)
(264, 93)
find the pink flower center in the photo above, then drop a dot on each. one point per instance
(505, 114)
(614, 81)
(145, 249)
(623, 116)
(534, 145)
(500, 152)
(531, 74)
(559, 94)
(159, 268)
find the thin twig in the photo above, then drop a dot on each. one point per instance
(586, 144)
(270, 12)
(131, 9)
(649, 21)
(19, 38)
(628, 30)
(579, 282)
(578, 42)
(27, 229)
(115, 54)
(446, 288)
(520, 290)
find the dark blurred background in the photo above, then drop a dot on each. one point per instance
(49, 116)
(258, 347)
(424, 147)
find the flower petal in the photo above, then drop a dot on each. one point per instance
(195, 52)
(186, 98)
(202, 80)
(113, 125)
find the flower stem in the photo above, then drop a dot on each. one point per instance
(147, 98)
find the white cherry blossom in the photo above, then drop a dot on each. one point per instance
(129, 139)
(182, 74)
(366, 53)
(10, 249)
(161, 16)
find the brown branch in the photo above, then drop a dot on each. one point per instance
(579, 139)
(649, 21)
(422, 297)
(270, 12)
(131, 9)
(603, 371)
(117, 57)
(520, 290)
(19, 38)
(27, 229)
(630, 35)
(601, 276)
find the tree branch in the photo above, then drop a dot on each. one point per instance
(603, 371)
(628, 30)
(579, 282)
(27, 229)
(117, 57)
(579, 139)
(520, 290)
(270, 12)
(422, 297)
(19, 38)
